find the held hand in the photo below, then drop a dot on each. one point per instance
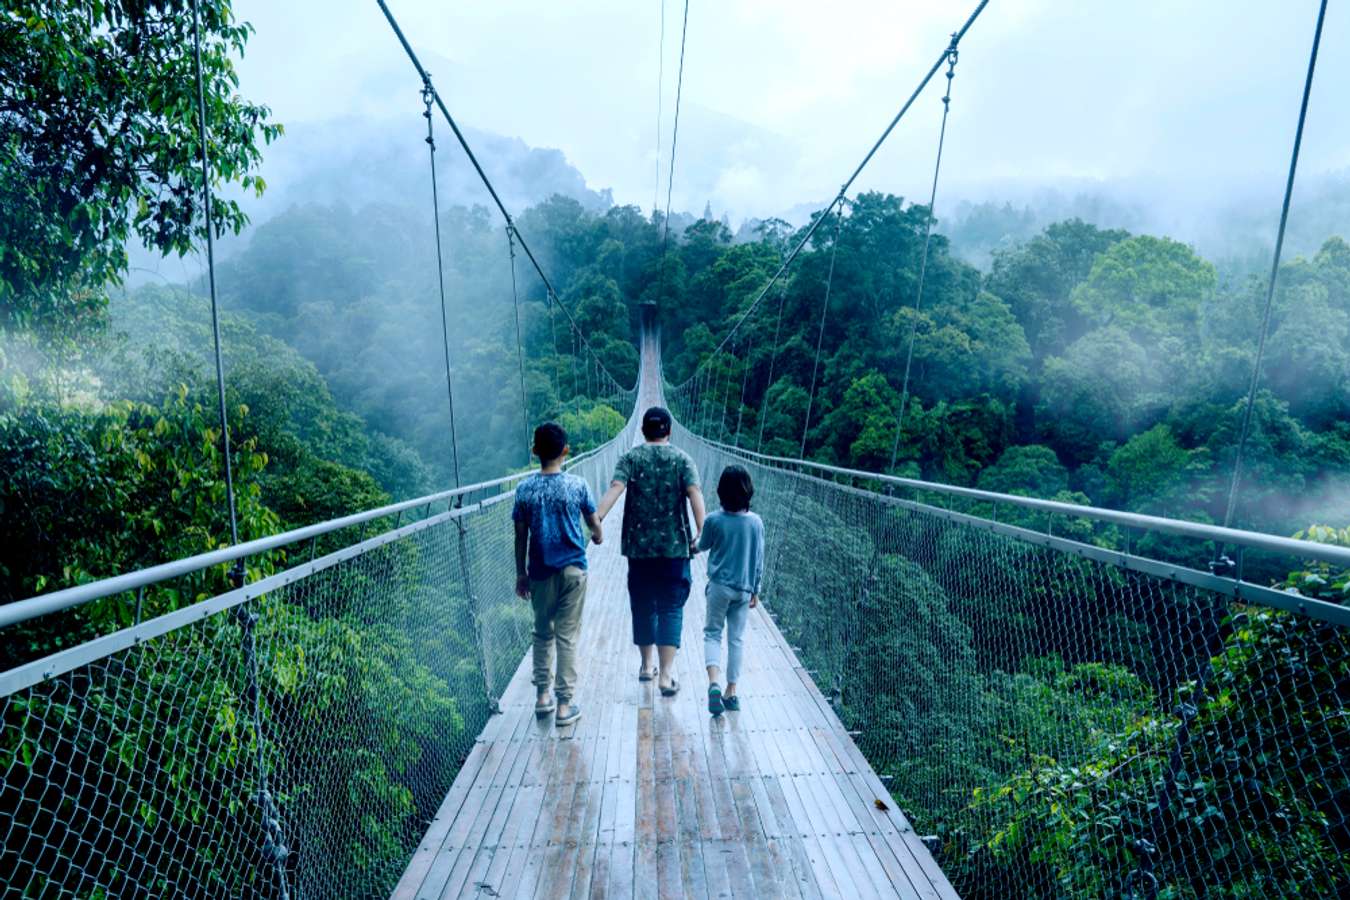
(754, 600)
(693, 544)
(597, 536)
(523, 587)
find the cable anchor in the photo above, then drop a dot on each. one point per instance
(952, 56)
(428, 98)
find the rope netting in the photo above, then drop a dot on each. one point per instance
(1055, 718)
(134, 765)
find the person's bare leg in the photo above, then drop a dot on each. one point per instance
(648, 651)
(667, 656)
(730, 690)
(713, 673)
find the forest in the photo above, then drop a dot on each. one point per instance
(1081, 363)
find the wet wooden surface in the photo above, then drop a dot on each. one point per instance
(649, 796)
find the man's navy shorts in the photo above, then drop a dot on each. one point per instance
(657, 592)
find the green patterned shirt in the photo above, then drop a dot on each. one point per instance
(655, 520)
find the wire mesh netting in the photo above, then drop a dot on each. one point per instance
(295, 737)
(1055, 724)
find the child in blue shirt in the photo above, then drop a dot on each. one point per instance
(734, 539)
(551, 566)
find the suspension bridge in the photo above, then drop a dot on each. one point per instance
(1191, 744)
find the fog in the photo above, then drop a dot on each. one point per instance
(1177, 109)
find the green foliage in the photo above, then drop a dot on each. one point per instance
(115, 489)
(1153, 473)
(1037, 280)
(99, 143)
(1031, 471)
(1151, 287)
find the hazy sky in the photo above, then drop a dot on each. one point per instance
(782, 98)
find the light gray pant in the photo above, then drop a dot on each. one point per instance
(558, 601)
(727, 607)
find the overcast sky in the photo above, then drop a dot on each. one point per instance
(782, 97)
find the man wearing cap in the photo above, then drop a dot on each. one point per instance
(662, 485)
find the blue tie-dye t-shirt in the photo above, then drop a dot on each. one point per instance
(552, 505)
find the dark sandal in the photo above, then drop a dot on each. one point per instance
(714, 700)
(732, 703)
(672, 690)
(645, 675)
(543, 711)
(572, 715)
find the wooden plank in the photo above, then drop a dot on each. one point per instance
(525, 810)
(430, 845)
(472, 870)
(651, 797)
(460, 834)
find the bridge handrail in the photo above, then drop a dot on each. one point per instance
(1234, 536)
(78, 595)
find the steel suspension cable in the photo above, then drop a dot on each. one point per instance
(820, 332)
(520, 346)
(273, 846)
(660, 85)
(923, 261)
(1142, 881)
(1243, 434)
(205, 159)
(674, 143)
(895, 120)
(428, 95)
(553, 295)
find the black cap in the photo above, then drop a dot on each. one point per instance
(656, 423)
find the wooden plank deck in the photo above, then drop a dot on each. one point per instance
(651, 797)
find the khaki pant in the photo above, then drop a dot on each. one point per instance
(558, 601)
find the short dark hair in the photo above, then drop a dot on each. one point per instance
(734, 489)
(656, 423)
(550, 440)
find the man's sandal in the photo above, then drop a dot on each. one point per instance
(672, 690)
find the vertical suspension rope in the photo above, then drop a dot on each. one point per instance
(820, 332)
(670, 179)
(576, 379)
(1233, 483)
(726, 399)
(205, 158)
(274, 847)
(773, 358)
(740, 409)
(520, 347)
(1143, 881)
(553, 336)
(923, 262)
(428, 97)
(660, 84)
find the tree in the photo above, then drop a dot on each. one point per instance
(1037, 280)
(1102, 388)
(1152, 287)
(1031, 471)
(860, 429)
(1153, 473)
(98, 142)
